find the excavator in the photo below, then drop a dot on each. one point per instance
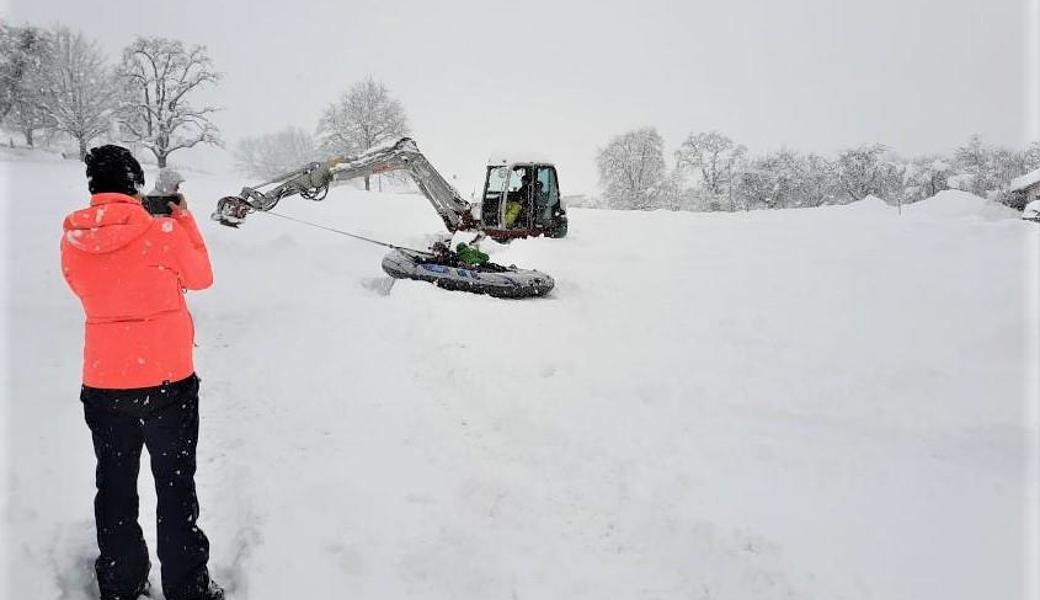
(521, 199)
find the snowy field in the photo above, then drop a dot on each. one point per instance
(825, 403)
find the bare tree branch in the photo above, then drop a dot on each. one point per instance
(77, 89)
(632, 169)
(159, 74)
(364, 117)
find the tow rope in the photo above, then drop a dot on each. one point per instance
(346, 233)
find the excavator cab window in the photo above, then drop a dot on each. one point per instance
(494, 191)
(546, 196)
(519, 179)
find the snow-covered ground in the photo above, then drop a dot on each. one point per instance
(828, 403)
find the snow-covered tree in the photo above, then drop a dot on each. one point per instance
(269, 155)
(752, 187)
(364, 117)
(27, 117)
(632, 169)
(817, 183)
(987, 170)
(861, 171)
(714, 159)
(24, 55)
(671, 194)
(926, 176)
(773, 180)
(785, 168)
(973, 163)
(1006, 165)
(13, 67)
(77, 89)
(160, 76)
(1031, 157)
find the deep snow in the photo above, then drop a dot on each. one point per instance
(823, 403)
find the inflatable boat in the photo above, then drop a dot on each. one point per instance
(491, 279)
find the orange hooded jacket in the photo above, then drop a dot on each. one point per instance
(130, 270)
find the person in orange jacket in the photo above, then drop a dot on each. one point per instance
(130, 270)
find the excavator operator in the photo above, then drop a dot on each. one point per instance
(517, 200)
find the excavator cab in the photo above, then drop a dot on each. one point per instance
(522, 199)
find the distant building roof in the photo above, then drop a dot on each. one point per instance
(1026, 181)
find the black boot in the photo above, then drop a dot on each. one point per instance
(143, 590)
(214, 592)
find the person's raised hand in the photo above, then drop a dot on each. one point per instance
(181, 204)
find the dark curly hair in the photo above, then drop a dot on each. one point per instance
(113, 169)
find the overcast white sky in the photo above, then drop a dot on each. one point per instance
(559, 78)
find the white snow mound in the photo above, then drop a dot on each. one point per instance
(871, 203)
(958, 204)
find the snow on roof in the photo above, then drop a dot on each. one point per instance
(512, 158)
(1032, 211)
(1027, 180)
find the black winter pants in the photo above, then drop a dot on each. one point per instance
(166, 419)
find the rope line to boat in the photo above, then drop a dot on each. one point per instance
(346, 233)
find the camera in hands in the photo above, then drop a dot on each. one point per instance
(159, 204)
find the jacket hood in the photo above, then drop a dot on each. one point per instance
(111, 222)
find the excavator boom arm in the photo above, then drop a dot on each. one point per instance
(405, 156)
(312, 182)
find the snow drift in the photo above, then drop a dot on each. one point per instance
(958, 204)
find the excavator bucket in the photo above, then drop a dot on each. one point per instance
(231, 211)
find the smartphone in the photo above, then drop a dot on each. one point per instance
(159, 205)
